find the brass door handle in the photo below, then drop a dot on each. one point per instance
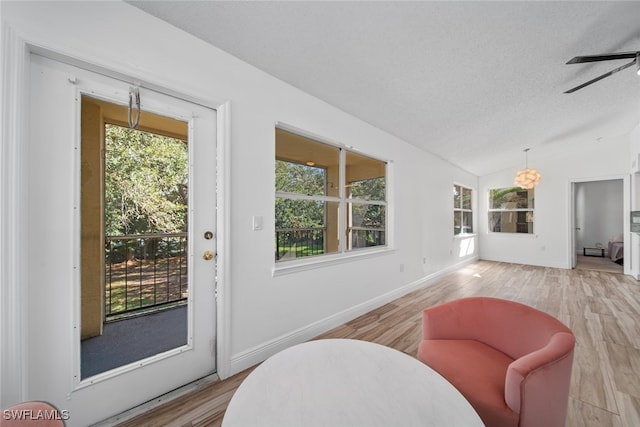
(208, 255)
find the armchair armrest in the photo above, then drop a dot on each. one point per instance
(544, 377)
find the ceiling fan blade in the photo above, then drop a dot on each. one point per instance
(602, 57)
(622, 67)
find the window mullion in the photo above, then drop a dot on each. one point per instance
(296, 196)
(367, 202)
(342, 206)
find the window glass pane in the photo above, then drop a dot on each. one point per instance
(510, 198)
(462, 214)
(365, 177)
(462, 222)
(301, 179)
(304, 228)
(366, 225)
(145, 184)
(467, 222)
(133, 234)
(466, 198)
(511, 222)
(368, 189)
(305, 166)
(291, 213)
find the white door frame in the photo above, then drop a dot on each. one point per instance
(626, 208)
(14, 88)
(572, 226)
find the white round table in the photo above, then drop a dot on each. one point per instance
(342, 382)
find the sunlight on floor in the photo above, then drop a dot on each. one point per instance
(470, 271)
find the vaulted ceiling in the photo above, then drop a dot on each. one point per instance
(474, 83)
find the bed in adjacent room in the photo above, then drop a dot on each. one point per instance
(616, 249)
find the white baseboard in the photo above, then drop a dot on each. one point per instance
(259, 353)
(551, 264)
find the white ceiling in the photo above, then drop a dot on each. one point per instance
(474, 83)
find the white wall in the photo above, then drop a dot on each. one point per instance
(550, 245)
(599, 214)
(262, 313)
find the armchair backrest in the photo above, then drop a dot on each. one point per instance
(513, 328)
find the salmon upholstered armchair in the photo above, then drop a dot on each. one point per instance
(32, 414)
(510, 361)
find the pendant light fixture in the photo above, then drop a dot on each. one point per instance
(527, 178)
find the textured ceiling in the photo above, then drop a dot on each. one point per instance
(474, 83)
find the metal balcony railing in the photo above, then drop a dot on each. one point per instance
(294, 243)
(363, 237)
(144, 272)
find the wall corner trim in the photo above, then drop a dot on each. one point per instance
(13, 90)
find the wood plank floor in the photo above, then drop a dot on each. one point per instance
(598, 263)
(602, 309)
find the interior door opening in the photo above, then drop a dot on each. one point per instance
(134, 236)
(598, 225)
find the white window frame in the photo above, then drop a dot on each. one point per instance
(344, 254)
(460, 210)
(530, 210)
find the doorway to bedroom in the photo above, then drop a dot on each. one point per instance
(599, 225)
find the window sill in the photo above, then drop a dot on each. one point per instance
(289, 267)
(464, 236)
(509, 234)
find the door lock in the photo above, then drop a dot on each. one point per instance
(208, 255)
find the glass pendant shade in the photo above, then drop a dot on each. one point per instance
(527, 178)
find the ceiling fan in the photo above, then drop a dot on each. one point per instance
(605, 57)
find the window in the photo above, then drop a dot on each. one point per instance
(511, 210)
(462, 212)
(329, 200)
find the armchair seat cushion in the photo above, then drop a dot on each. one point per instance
(477, 371)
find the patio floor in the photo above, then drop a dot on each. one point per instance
(133, 339)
